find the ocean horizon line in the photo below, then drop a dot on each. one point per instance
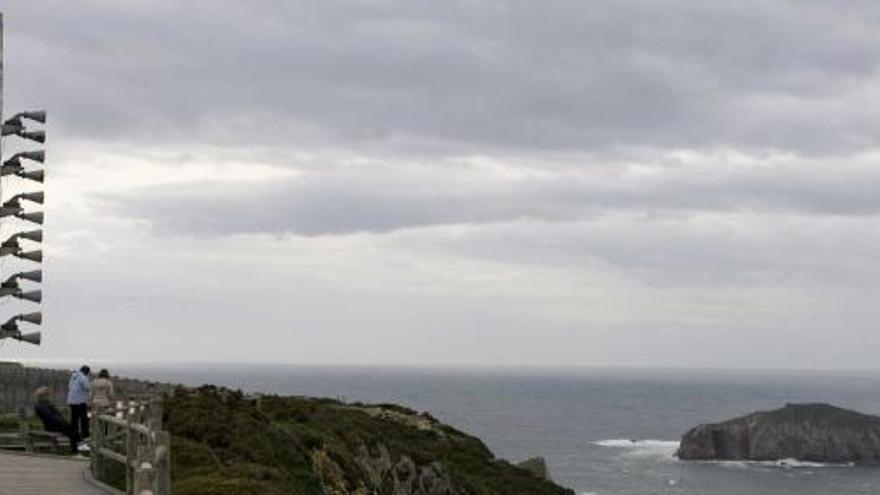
(443, 367)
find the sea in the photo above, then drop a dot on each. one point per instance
(602, 431)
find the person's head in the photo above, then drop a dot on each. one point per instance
(43, 394)
(85, 370)
(104, 373)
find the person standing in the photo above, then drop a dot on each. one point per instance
(78, 392)
(102, 391)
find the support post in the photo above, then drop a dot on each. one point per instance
(129, 454)
(155, 413)
(143, 473)
(97, 444)
(162, 463)
(25, 430)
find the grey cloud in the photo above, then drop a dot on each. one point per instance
(710, 251)
(601, 239)
(548, 75)
(315, 207)
(380, 198)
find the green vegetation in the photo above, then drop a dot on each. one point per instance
(225, 443)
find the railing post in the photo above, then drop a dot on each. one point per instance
(143, 473)
(96, 444)
(134, 410)
(162, 463)
(25, 429)
(129, 454)
(155, 413)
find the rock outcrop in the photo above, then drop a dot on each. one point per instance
(536, 466)
(806, 432)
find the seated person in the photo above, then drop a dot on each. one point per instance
(52, 418)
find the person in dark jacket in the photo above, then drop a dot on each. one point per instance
(52, 418)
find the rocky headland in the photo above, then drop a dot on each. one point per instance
(807, 432)
(226, 443)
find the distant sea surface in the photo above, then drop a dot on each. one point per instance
(602, 431)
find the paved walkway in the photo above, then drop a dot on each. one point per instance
(44, 475)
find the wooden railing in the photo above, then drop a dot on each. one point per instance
(130, 433)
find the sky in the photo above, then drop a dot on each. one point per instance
(556, 183)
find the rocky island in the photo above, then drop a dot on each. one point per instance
(806, 432)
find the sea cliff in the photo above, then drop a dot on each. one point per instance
(226, 443)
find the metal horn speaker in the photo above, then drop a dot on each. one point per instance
(38, 136)
(34, 175)
(32, 235)
(32, 255)
(36, 155)
(31, 338)
(34, 197)
(34, 217)
(36, 317)
(31, 295)
(35, 115)
(33, 275)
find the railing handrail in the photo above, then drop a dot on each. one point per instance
(136, 425)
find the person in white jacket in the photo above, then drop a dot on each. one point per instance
(102, 391)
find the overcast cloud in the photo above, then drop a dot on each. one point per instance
(464, 182)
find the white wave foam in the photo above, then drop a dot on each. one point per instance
(637, 444)
(644, 447)
(780, 463)
(667, 449)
